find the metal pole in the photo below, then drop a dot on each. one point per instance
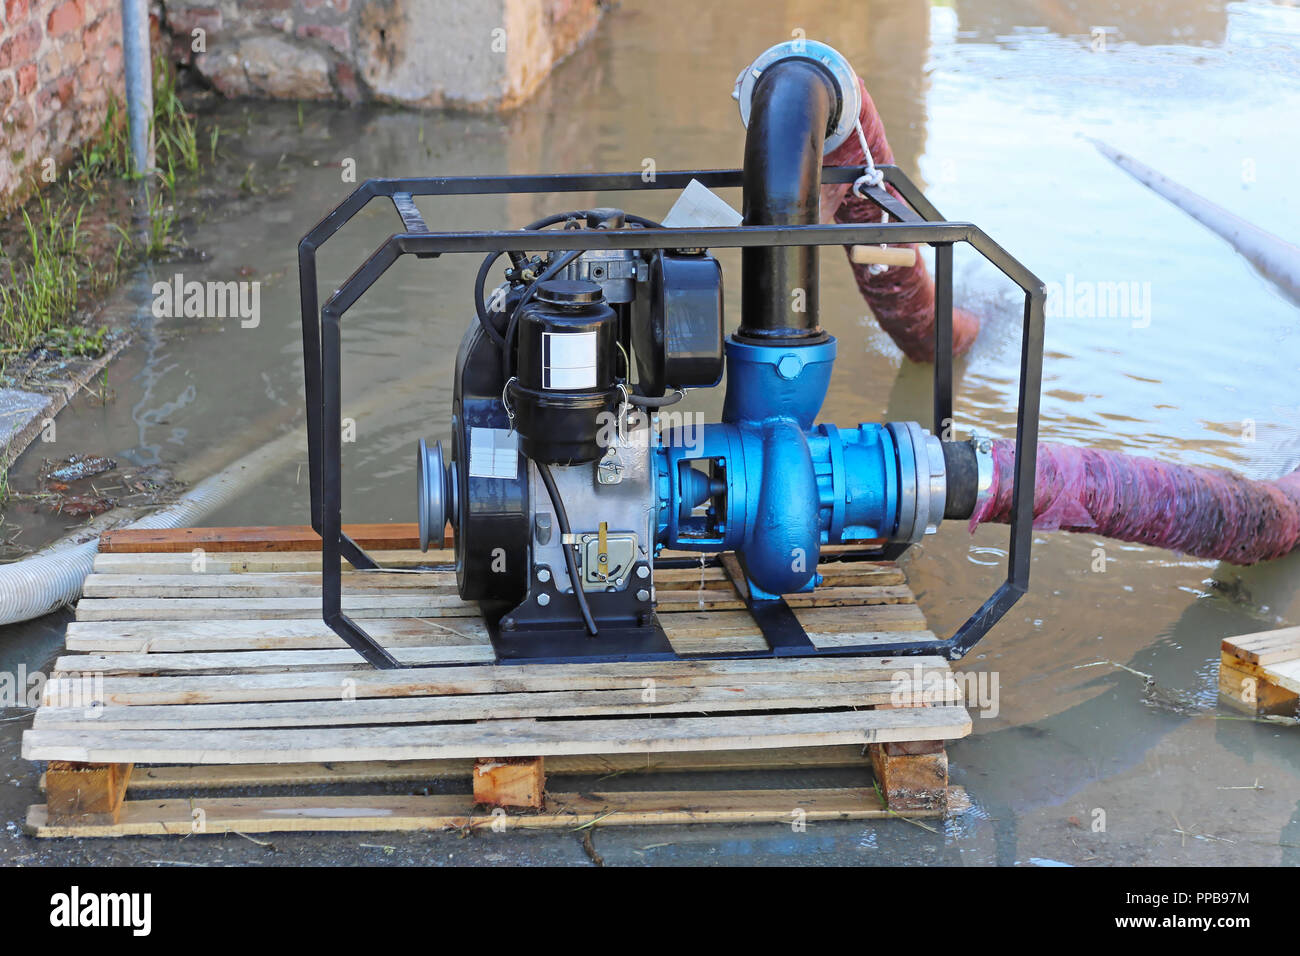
(139, 83)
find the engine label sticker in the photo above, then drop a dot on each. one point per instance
(568, 360)
(493, 453)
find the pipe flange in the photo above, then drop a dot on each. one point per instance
(907, 482)
(834, 62)
(922, 481)
(935, 483)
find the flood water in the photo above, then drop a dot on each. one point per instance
(990, 106)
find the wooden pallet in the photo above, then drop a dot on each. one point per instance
(193, 669)
(1260, 673)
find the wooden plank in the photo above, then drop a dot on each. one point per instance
(85, 792)
(212, 583)
(1265, 647)
(155, 779)
(509, 782)
(828, 620)
(1285, 674)
(689, 633)
(230, 609)
(254, 562)
(476, 679)
(270, 584)
(406, 813)
(504, 738)
(394, 535)
(452, 651)
(266, 538)
(706, 645)
(404, 710)
(427, 603)
(158, 637)
(1252, 689)
(244, 562)
(260, 662)
(717, 600)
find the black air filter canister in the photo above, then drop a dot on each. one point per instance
(565, 394)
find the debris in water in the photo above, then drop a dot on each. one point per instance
(151, 480)
(82, 506)
(78, 467)
(590, 849)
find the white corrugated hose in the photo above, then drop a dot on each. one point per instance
(52, 578)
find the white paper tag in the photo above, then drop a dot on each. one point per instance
(568, 360)
(493, 453)
(699, 207)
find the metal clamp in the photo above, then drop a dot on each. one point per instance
(826, 56)
(984, 468)
(922, 480)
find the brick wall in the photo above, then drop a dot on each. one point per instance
(60, 61)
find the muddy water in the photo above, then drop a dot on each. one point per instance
(990, 105)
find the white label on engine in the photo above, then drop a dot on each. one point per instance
(493, 453)
(568, 360)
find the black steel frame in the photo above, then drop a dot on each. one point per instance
(915, 220)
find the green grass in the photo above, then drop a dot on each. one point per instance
(44, 285)
(176, 141)
(52, 266)
(78, 340)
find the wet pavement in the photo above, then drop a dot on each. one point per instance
(990, 106)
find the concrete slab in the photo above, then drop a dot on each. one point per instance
(21, 417)
(24, 411)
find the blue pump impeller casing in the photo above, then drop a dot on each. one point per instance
(776, 487)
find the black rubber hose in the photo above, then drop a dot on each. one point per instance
(480, 306)
(645, 401)
(480, 281)
(570, 550)
(963, 478)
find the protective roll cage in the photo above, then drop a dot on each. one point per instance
(915, 221)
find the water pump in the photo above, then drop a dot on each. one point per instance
(573, 474)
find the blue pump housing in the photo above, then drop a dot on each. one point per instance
(767, 482)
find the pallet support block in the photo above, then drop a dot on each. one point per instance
(85, 792)
(911, 781)
(911, 774)
(510, 782)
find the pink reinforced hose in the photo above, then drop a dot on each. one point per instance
(901, 297)
(1205, 512)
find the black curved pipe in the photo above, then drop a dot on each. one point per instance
(794, 105)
